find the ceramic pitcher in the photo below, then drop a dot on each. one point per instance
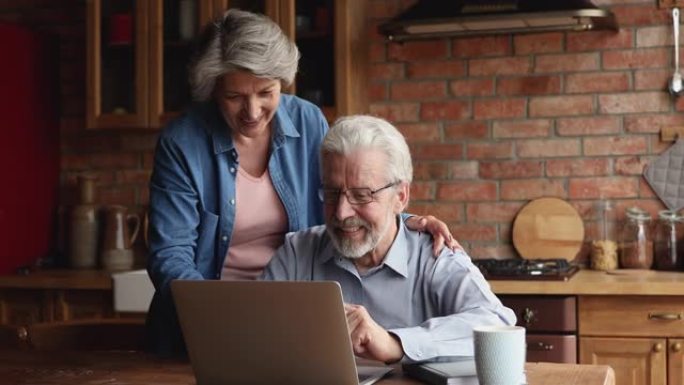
(121, 230)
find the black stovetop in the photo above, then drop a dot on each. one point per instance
(526, 269)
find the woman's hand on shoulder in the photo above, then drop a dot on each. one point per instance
(439, 230)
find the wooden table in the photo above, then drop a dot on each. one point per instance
(131, 368)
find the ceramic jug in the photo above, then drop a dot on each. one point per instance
(121, 230)
(83, 227)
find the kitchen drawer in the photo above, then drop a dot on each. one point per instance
(544, 313)
(551, 348)
(632, 316)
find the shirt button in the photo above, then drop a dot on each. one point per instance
(232, 201)
(224, 238)
(232, 170)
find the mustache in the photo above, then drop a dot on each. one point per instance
(349, 222)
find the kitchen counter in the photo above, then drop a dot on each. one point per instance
(591, 282)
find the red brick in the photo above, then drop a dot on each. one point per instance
(679, 105)
(396, 112)
(463, 170)
(384, 8)
(447, 212)
(423, 50)
(139, 177)
(436, 69)
(474, 47)
(377, 52)
(377, 91)
(651, 79)
(74, 162)
(514, 190)
(597, 82)
(630, 15)
(632, 165)
(500, 66)
(511, 169)
(492, 212)
(420, 132)
(469, 129)
(430, 170)
(603, 187)
(112, 160)
(656, 36)
(449, 110)
(117, 195)
(636, 59)
(553, 106)
(567, 62)
(496, 251)
(418, 90)
(598, 40)
(147, 160)
(139, 142)
(387, 71)
(472, 191)
(617, 145)
(491, 150)
(499, 108)
(645, 191)
(472, 232)
(528, 85)
(521, 128)
(437, 151)
(651, 124)
(634, 102)
(595, 125)
(538, 43)
(472, 87)
(577, 167)
(548, 148)
(422, 191)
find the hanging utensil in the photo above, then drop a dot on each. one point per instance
(676, 85)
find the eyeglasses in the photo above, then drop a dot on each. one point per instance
(355, 196)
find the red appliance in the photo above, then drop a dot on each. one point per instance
(29, 146)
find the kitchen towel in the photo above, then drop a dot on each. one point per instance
(666, 176)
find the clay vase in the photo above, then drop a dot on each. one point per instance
(121, 230)
(83, 226)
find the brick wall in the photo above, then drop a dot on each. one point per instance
(492, 121)
(496, 121)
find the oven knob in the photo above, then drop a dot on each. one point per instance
(677, 347)
(529, 316)
(658, 347)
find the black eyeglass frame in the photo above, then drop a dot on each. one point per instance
(332, 195)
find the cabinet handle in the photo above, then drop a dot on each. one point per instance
(529, 316)
(676, 347)
(22, 333)
(540, 346)
(658, 347)
(665, 316)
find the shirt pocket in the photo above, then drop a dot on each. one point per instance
(206, 240)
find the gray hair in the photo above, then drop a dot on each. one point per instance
(241, 40)
(351, 133)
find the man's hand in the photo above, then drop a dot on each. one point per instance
(370, 340)
(441, 235)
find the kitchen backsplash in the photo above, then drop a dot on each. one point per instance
(493, 122)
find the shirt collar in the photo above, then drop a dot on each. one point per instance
(223, 142)
(396, 258)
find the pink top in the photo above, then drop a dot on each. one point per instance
(260, 227)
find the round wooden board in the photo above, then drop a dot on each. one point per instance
(548, 228)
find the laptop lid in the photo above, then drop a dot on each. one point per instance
(257, 332)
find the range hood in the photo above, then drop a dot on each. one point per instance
(440, 18)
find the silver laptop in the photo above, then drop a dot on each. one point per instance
(253, 332)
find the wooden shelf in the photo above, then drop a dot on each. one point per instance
(670, 3)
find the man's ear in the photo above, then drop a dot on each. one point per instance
(403, 193)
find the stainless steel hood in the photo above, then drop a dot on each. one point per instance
(440, 18)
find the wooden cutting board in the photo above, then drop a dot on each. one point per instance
(548, 228)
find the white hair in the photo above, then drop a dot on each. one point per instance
(241, 40)
(352, 133)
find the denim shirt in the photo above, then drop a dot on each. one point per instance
(192, 197)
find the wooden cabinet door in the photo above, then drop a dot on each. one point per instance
(25, 306)
(675, 361)
(636, 361)
(83, 304)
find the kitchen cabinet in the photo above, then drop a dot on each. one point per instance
(138, 52)
(639, 336)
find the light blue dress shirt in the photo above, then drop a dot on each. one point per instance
(431, 304)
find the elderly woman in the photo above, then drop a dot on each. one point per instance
(238, 170)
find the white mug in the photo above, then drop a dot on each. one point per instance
(500, 354)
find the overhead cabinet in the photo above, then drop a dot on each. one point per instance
(138, 53)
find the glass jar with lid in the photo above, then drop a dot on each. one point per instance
(636, 240)
(668, 234)
(604, 247)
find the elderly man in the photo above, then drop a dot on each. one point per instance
(401, 302)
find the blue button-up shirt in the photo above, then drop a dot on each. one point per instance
(430, 304)
(192, 196)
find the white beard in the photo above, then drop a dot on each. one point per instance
(347, 247)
